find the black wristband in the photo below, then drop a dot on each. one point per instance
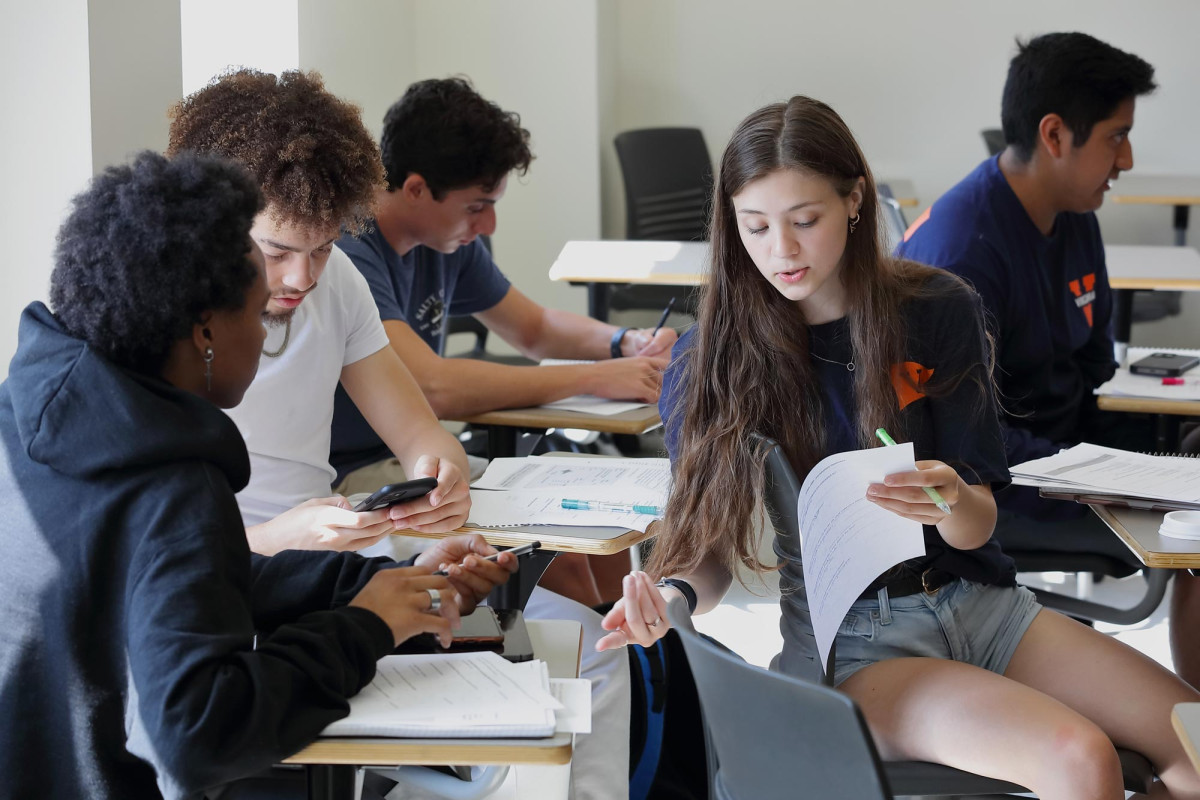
(614, 347)
(684, 588)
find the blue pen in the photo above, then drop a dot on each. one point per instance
(620, 508)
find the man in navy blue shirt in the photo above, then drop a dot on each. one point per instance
(1021, 228)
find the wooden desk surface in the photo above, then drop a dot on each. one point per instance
(594, 541)
(557, 642)
(636, 421)
(1139, 531)
(1161, 190)
(902, 189)
(1149, 405)
(1155, 267)
(1185, 719)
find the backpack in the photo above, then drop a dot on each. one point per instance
(666, 731)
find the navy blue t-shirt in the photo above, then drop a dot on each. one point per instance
(423, 288)
(1049, 308)
(959, 426)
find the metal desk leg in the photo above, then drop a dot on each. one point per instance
(1181, 225)
(1122, 322)
(332, 782)
(514, 593)
(502, 441)
(598, 301)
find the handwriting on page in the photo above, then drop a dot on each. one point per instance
(846, 541)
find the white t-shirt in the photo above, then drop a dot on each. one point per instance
(286, 415)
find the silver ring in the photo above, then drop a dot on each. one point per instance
(655, 623)
(435, 599)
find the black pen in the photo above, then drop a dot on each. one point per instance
(666, 313)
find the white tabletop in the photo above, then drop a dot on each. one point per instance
(1152, 267)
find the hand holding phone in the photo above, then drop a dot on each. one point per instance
(395, 493)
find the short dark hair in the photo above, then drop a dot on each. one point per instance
(149, 247)
(1074, 75)
(314, 161)
(444, 131)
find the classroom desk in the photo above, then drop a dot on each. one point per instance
(554, 539)
(1168, 413)
(903, 190)
(505, 425)
(331, 763)
(1145, 267)
(1139, 531)
(1179, 191)
(1185, 719)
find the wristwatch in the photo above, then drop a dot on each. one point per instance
(684, 588)
(614, 347)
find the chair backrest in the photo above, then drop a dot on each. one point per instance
(668, 183)
(993, 139)
(777, 737)
(893, 219)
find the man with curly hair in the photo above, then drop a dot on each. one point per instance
(319, 170)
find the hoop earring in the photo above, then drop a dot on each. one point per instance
(208, 359)
(853, 222)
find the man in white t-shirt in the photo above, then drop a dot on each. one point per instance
(319, 171)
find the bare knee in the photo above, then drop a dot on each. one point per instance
(1080, 761)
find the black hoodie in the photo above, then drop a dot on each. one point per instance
(129, 600)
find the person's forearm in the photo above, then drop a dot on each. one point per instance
(432, 441)
(710, 581)
(457, 388)
(973, 519)
(567, 335)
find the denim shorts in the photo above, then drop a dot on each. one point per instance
(964, 621)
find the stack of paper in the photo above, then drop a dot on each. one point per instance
(1126, 384)
(1092, 473)
(461, 695)
(530, 491)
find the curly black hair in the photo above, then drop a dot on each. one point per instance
(444, 131)
(147, 248)
(316, 164)
(1076, 76)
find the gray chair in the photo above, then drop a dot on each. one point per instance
(782, 489)
(993, 140)
(893, 216)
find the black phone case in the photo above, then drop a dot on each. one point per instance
(397, 493)
(516, 646)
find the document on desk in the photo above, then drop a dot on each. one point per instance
(460, 695)
(1092, 469)
(846, 541)
(588, 403)
(492, 509)
(615, 475)
(1125, 384)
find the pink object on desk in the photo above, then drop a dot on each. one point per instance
(1173, 382)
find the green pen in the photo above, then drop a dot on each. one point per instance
(938, 500)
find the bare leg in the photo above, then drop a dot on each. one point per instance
(570, 576)
(1185, 622)
(956, 714)
(608, 572)
(1125, 693)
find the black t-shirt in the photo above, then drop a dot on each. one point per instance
(957, 424)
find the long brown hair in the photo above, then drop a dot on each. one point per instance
(749, 369)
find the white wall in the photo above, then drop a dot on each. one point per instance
(218, 34)
(45, 144)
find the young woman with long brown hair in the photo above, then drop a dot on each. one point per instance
(810, 334)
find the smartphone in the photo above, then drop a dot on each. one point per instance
(481, 626)
(1170, 365)
(397, 493)
(520, 551)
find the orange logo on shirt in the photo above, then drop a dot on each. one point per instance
(918, 222)
(1085, 293)
(908, 379)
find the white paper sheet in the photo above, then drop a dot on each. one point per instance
(1126, 384)
(1092, 468)
(494, 509)
(846, 541)
(615, 475)
(587, 403)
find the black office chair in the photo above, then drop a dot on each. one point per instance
(782, 489)
(993, 139)
(668, 180)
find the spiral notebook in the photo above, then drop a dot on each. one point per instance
(454, 695)
(1089, 473)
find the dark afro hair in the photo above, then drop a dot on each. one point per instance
(316, 164)
(445, 132)
(149, 247)
(1074, 75)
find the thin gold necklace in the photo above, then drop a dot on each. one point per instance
(287, 336)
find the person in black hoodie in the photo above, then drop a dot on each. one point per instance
(144, 651)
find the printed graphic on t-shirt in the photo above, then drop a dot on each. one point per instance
(1085, 293)
(427, 320)
(918, 222)
(907, 380)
